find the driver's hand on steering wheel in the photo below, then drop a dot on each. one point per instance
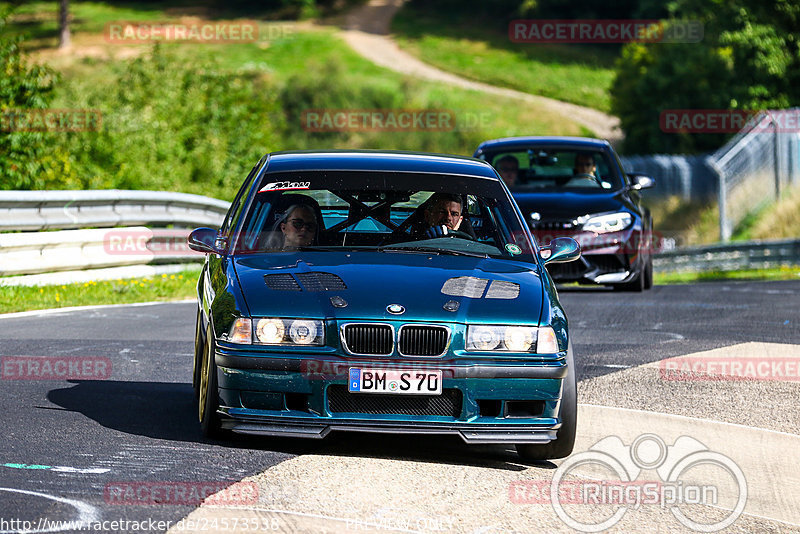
(437, 231)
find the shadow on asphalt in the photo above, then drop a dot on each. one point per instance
(167, 411)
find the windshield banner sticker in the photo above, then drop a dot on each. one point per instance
(285, 186)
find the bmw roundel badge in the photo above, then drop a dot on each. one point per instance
(395, 309)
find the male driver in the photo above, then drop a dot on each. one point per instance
(444, 213)
(508, 168)
(584, 164)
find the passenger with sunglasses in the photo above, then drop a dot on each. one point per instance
(299, 227)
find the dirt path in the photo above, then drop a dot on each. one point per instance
(367, 32)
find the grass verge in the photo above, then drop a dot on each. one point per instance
(159, 288)
(453, 42)
(782, 273)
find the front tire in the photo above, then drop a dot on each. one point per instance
(199, 353)
(208, 400)
(648, 279)
(562, 446)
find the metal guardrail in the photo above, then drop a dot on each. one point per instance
(122, 230)
(62, 210)
(72, 250)
(730, 256)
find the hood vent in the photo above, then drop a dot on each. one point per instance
(310, 281)
(281, 282)
(321, 281)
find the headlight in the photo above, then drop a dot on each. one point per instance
(487, 338)
(270, 331)
(613, 222)
(280, 331)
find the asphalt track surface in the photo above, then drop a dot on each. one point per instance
(68, 445)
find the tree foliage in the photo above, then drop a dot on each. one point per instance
(22, 87)
(749, 59)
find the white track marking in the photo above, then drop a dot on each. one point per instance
(87, 514)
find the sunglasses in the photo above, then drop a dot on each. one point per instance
(299, 223)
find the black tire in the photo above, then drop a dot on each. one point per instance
(562, 446)
(199, 351)
(636, 285)
(208, 401)
(648, 277)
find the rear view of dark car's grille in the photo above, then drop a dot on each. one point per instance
(423, 340)
(368, 338)
(447, 404)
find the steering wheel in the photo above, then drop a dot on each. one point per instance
(587, 176)
(458, 233)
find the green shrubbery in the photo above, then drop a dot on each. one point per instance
(169, 125)
(22, 86)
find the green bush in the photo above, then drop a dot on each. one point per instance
(169, 125)
(22, 87)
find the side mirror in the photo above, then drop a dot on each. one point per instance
(204, 240)
(561, 250)
(641, 181)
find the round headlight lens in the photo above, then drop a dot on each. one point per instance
(303, 332)
(485, 338)
(518, 338)
(270, 330)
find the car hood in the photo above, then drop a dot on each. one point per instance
(560, 205)
(371, 281)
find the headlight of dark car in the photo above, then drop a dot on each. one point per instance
(612, 222)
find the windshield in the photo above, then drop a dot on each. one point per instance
(386, 212)
(537, 169)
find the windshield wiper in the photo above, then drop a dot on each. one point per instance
(434, 250)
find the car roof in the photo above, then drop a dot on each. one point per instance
(511, 143)
(378, 160)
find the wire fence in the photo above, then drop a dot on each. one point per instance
(755, 166)
(751, 170)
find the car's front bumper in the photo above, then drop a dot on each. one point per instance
(613, 258)
(493, 401)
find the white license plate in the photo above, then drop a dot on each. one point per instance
(395, 381)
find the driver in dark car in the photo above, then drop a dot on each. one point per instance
(584, 164)
(443, 214)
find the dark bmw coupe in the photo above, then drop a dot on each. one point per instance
(383, 292)
(576, 187)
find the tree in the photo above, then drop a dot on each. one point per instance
(749, 59)
(64, 38)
